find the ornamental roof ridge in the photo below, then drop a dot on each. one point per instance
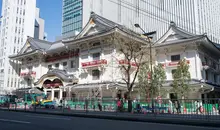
(104, 24)
(174, 30)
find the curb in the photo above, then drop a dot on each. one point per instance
(200, 123)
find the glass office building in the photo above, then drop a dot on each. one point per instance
(72, 17)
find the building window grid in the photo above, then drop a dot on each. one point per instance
(68, 5)
(73, 22)
(72, 9)
(72, 15)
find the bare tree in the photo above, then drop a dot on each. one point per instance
(132, 53)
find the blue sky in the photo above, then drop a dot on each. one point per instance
(51, 12)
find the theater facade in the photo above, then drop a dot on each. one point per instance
(88, 65)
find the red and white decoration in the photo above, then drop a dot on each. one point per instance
(32, 73)
(123, 62)
(53, 85)
(94, 63)
(173, 64)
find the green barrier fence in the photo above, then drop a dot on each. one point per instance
(188, 107)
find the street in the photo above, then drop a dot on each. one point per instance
(136, 115)
(23, 121)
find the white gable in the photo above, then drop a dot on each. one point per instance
(173, 34)
(26, 48)
(89, 29)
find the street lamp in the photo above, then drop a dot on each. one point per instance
(151, 62)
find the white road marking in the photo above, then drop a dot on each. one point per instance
(47, 117)
(15, 121)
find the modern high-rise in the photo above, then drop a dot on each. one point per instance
(39, 26)
(195, 16)
(18, 22)
(72, 17)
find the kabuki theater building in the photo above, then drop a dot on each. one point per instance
(88, 65)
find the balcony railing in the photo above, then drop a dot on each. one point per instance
(94, 63)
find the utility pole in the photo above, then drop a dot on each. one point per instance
(151, 62)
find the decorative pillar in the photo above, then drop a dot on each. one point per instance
(101, 93)
(69, 92)
(61, 94)
(45, 91)
(205, 96)
(204, 74)
(52, 94)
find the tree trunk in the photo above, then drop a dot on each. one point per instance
(129, 105)
(129, 102)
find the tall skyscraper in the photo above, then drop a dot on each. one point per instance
(18, 21)
(195, 16)
(72, 17)
(39, 25)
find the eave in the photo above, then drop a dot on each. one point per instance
(181, 41)
(103, 34)
(19, 56)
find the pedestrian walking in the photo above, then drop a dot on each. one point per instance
(198, 107)
(99, 105)
(86, 104)
(119, 105)
(177, 106)
(171, 106)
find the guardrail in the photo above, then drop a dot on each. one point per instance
(183, 109)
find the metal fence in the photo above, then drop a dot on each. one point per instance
(196, 109)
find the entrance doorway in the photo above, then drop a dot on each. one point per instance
(56, 94)
(54, 88)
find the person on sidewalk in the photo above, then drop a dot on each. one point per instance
(86, 104)
(177, 106)
(171, 107)
(119, 105)
(99, 105)
(219, 106)
(198, 107)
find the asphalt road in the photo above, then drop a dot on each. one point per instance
(24, 121)
(141, 115)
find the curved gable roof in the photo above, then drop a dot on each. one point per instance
(102, 25)
(175, 33)
(62, 74)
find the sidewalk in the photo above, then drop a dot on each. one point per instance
(211, 121)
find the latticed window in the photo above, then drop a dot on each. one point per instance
(57, 65)
(175, 58)
(73, 64)
(64, 63)
(95, 74)
(49, 67)
(96, 56)
(173, 72)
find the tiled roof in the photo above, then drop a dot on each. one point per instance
(39, 44)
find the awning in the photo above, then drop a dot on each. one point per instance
(35, 90)
(107, 85)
